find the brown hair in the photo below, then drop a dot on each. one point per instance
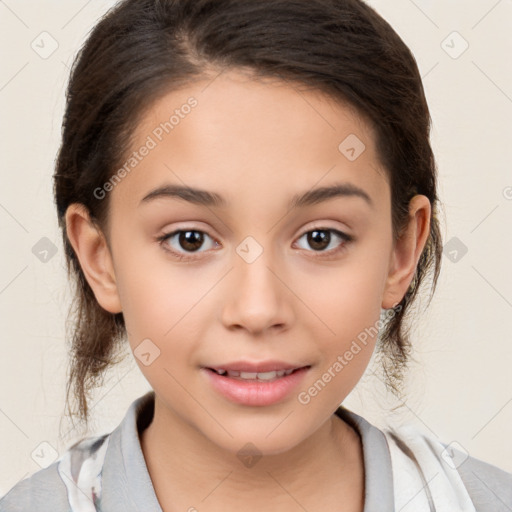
(142, 49)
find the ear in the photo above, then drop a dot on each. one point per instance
(406, 251)
(94, 256)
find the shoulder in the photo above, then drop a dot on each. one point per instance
(490, 487)
(43, 491)
(72, 483)
(447, 472)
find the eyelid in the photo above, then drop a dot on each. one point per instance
(324, 226)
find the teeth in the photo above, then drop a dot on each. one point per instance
(265, 376)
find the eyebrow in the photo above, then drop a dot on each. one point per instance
(206, 198)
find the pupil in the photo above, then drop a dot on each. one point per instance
(317, 239)
(192, 242)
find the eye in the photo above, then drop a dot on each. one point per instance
(190, 240)
(183, 243)
(321, 238)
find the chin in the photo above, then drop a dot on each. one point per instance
(263, 441)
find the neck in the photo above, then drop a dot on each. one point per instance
(186, 467)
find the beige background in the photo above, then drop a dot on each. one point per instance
(460, 389)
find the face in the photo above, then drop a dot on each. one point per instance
(253, 276)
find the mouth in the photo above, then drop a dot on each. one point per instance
(269, 376)
(251, 388)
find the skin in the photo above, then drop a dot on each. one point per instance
(257, 143)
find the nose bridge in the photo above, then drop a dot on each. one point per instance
(252, 269)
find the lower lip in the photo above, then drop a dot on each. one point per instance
(252, 392)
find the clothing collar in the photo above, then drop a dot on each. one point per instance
(378, 475)
(125, 468)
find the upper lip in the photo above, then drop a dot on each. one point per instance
(257, 366)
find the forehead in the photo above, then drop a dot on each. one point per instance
(241, 137)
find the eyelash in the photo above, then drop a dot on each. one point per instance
(322, 254)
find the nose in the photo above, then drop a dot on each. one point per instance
(256, 298)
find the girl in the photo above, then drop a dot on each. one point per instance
(248, 196)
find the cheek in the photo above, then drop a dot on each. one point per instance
(348, 302)
(154, 291)
(349, 309)
(157, 297)
(350, 299)
(161, 311)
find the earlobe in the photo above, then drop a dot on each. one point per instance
(407, 251)
(93, 253)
